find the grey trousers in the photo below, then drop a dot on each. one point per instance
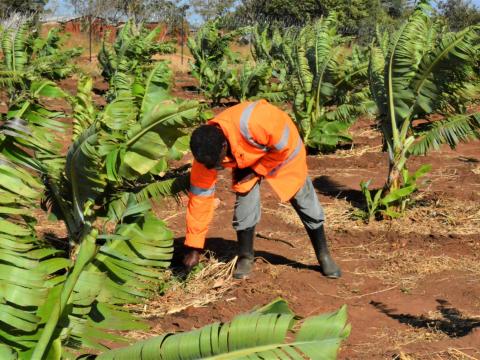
(305, 202)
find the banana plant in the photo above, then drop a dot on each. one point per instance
(260, 334)
(253, 81)
(329, 87)
(213, 61)
(266, 46)
(271, 82)
(287, 48)
(132, 52)
(416, 72)
(49, 59)
(26, 54)
(68, 294)
(216, 83)
(261, 44)
(115, 156)
(393, 204)
(212, 46)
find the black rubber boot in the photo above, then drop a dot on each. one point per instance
(245, 253)
(319, 242)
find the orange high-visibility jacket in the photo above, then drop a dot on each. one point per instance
(262, 137)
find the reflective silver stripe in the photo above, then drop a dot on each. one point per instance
(283, 140)
(292, 156)
(195, 190)
(244, 119)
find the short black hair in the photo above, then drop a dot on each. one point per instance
(206, 144)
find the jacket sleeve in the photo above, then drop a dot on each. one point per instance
(273, 128)
(200, 204)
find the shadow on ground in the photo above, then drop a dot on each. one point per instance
(325, 185)
(226, 250)
(452, 322)
(191, 89)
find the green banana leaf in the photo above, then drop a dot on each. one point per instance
(257, 335)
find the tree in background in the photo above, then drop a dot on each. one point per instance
(111, 10)
(360, 17)
(170, 13)
(286, 12)
(165, 11)
(211, 9)
(459, 13)
(355, 17)
(29, 8)
(397, 8)
(21, 6)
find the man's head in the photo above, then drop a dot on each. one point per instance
(208, 145)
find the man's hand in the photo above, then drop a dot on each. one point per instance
(192, 258)
(241, 176)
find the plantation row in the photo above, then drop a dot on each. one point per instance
(62, 296)
(400, 79)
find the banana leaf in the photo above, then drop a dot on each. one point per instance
(260, 334)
